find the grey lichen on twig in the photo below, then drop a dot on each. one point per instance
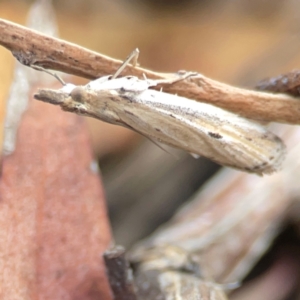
(33, 48)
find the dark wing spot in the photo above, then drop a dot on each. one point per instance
(126, 98)
(128, 112)
(257, 167)
(214, 135)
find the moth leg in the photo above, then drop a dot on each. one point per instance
(38, 68)
(133, 56)
(181, 75)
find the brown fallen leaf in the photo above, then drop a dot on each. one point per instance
(53, 218)
(54, 225)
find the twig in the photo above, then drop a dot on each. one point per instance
(288, 83)
(33, 48)
(119, 274)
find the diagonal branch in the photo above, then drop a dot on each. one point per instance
(33, 48)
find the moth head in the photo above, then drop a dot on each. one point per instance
(56, 97)
(78, 95)
(76, 101)
(70, 98)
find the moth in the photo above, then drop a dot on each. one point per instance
(199, 128)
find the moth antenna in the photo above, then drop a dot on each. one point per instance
(160, 146)
(150, 139)
(132, 57)
(182, 75)
(38, 68)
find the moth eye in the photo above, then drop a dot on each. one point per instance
(78, 94)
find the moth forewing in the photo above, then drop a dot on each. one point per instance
(198, 128)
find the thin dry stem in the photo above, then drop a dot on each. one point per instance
(33, 48)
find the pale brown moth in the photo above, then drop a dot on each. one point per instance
(199, 128)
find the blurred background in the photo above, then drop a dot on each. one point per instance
(235, 41)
